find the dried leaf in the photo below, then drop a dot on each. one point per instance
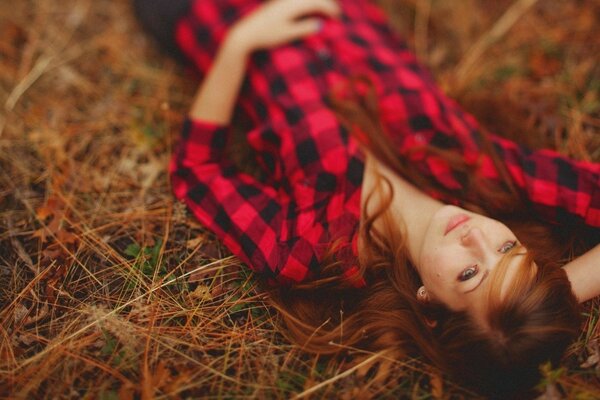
(202, 293)
(47, 209)
(41, 234)
(55, 278)
(150, 172)
(211, 250)
(26, 338)
(66, 237)
(161, 376)
(20, 312)
(193, 243)
(542, 65)
(22, 253)
(41, 313)
(51, 253)
(181, 378)
(158, 378)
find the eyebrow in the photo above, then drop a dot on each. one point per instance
(485, 275)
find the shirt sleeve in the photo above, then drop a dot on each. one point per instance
(559, 189)
(242, 211)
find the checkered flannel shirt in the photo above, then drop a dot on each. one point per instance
(282, 225)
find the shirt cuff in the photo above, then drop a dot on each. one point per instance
(592, 217)
(205, 134)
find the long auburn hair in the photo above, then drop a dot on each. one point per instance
(530, 323)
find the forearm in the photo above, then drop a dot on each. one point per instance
(217, 95)
(584, 275)
(271, 24)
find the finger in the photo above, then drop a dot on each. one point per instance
(301, 8)
(328, 7)
(305, 27)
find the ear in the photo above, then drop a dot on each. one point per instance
(423, 297)
(432, 323)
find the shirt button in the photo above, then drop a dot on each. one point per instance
(420, 138)
(323, 54)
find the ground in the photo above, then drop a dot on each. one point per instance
(110, 289)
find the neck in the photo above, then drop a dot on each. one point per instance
(410, 208)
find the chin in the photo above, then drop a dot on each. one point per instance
(446, 212)
(435, 231)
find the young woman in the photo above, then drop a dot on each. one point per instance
(365, 164)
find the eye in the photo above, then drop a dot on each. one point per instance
(468, 273)
(506, 247)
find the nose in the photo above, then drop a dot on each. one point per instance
(474, 238)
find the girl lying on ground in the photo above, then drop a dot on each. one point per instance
(380, 196)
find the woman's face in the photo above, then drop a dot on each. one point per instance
(459, 251)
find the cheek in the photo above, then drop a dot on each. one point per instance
(434, 255)
(438, 270)
(431, 267)
(438, 278)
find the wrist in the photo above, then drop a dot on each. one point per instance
(237, 42)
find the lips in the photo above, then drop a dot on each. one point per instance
(455, 222)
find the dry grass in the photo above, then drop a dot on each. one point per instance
(110, 290)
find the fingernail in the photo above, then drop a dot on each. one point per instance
(320, 23)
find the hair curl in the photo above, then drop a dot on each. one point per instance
(529, 323)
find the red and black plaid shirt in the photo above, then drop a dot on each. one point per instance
(281, 226)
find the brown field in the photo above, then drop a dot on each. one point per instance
(109, 288)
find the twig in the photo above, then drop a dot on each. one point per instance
(500, 28)
(42, 65)
(423, 11)
(339, 376)
(116, 310)
(36, 72)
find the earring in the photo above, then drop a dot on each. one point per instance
(422, 292)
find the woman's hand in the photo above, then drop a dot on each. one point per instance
(281, 21)
(584, 275)
(273, 23)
